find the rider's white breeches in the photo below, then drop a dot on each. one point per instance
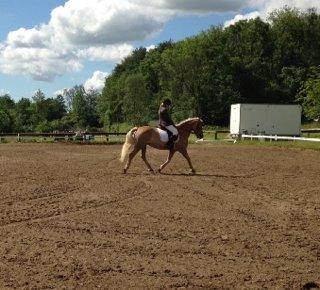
(172, 129)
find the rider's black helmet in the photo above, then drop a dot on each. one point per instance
(167, 102)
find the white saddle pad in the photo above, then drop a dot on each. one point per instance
(163, 135)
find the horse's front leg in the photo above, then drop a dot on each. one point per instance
(186, 155)
(131, 156)
(144, 158)
(171, 153)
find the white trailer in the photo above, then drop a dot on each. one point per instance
(265, 119)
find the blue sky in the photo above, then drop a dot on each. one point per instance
(54, 44)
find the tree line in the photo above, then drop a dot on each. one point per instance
(75, 109)
(253, 61)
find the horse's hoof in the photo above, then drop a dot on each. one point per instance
(192, 172)
(124, 171)
(151, 171)
(159, 170)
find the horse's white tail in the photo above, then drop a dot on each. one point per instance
(128, 144)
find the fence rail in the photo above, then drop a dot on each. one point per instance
(62, 135)
(277, 138)
(310, 131)
(216, 132)
(70, 134)
(31, 134)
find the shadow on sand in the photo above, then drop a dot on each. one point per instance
(207, 175)
(198, 174)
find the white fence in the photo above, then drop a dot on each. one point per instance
(263, 137)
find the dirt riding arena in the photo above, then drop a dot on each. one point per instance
(70, 220)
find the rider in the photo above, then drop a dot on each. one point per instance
(166, 123)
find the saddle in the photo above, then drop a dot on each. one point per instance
(172, 138)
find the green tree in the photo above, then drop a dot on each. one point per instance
(23, 115)
(110, 104)
(79, 109)
(5, 122)
(43, 127)
(56, 108)
(84, 108)
(38, 108)
(6, 113)
(135, 105)
(310, 94)
(6, 103)
(252, 61)
(131, 62)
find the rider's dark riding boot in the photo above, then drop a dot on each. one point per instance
(172, 139)
(170, 144)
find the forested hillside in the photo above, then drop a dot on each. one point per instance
(250, 62)
(256, 61)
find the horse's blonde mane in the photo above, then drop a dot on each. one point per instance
(188, 120)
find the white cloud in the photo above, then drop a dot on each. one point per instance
(42, 64)
(239, 17)
(102, 22)
(94, 30)
(4, 92)
(103, 30)
(96, 82)
(150, 47)
(62, 92)
(79, 30)
(34, 37)
(267, 6)
(300, 4)
(192, 6)
(107, 53)
(264, 7)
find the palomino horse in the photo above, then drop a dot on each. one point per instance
(140, 137)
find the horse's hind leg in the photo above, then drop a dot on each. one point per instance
(144, 158)
(131, 156)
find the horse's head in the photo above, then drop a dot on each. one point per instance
(197, 129)
(192, 125)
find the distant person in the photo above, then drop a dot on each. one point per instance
(166, 123)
